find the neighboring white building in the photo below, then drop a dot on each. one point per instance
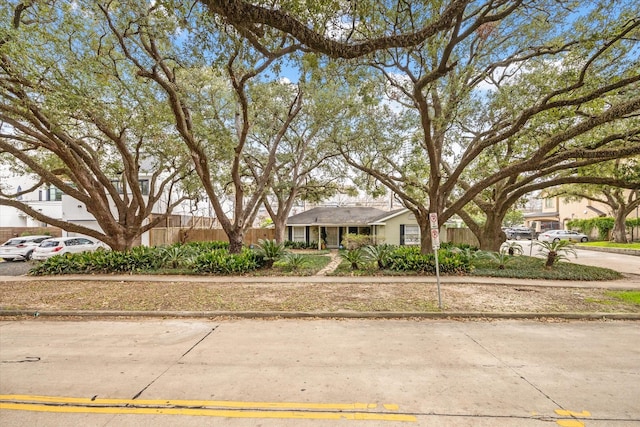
(48, 201)
(55, 204)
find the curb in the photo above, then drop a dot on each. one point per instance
(322, 315)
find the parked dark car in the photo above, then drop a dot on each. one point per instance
(518, 233)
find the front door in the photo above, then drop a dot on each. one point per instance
(332, 237)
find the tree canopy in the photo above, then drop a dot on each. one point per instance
(454, 106)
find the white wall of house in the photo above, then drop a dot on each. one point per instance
(67, 209)
(390, 232)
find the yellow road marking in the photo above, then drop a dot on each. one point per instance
(570, 423)
(565, 413)
(209, 403)
(332, 411)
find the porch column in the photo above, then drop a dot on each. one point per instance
(319, 239)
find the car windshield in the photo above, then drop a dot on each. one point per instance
(49, 244)
(14, 242)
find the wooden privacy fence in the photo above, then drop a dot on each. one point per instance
(163, 236)
(462, 235)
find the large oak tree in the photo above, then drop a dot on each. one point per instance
(73, 115)
(488, 112)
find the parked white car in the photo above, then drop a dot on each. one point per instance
(557, 235)
(20, 247)
(66, 245)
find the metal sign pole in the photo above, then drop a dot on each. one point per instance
(438, 279)
(435, 243)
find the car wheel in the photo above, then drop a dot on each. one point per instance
(27, 256)
(556, 240)
(584, 239)
(8, 259)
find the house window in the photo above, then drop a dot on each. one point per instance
(50, 194)
(298, 234)
(144, 186)
(549, 203)
(411, 234)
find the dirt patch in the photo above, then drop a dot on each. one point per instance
(45, 295)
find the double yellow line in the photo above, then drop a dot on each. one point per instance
(208, 408)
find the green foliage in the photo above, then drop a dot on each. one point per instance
(501, 257)
(295, 262)
(524, 267)
(632, 297)
(603, 224)
(204, 246)
(635, 245)
(355, 241)
(270, 251)
(555, 251)
(220, 261)
(512, 248)
(409, 258)
(354, 256)
(60, 264)
(513, 218)
(176, 256)
(140, 258)
(300, 245)
(458, 246)
(633, 222)
(378, 254)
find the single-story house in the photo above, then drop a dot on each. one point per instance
(330, 224)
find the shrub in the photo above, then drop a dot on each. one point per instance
(378, 254)
(199, 247)
(220, 261)
(409, 258)
(300, 245)
(355, 241)
(354, 256)
(176, 256)
(501, 257)
(603, 224)
(270, 251)
(58, 264)
(295, 262)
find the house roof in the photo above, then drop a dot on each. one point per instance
(388, 215)
(338, 216)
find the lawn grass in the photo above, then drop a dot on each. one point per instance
(632, 297)
(635, 245)
(524, 267)
(313, 264)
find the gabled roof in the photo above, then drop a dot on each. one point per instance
(335, 216)
(388, 215)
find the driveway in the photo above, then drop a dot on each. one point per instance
(14, 268)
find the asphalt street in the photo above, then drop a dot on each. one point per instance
(319, 373)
